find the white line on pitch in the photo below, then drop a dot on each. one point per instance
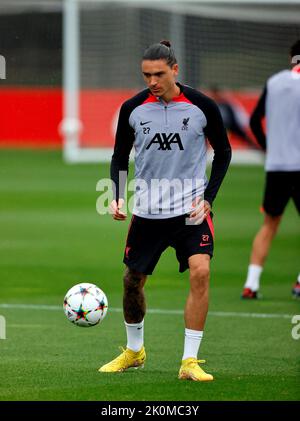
(155, 311)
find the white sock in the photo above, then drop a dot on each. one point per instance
(192, 341)
(298, 279)
(253, 276)
(135, 335)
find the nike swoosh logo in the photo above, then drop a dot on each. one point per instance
(146, 122)
(204, 244)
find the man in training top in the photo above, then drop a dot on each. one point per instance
(167, 124)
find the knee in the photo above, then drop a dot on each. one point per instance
(133, 280)
(271, 224)
(199, 278)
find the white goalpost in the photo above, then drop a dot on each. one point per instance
(235, 45)
(71, 125)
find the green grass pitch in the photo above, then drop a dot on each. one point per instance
(52, 238)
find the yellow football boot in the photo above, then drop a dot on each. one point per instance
(190, 370)
(127, 359)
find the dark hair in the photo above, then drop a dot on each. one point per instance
(295, 49)
(160, 51)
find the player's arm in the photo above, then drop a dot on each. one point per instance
(217, 137)
(120, 161)
(256, 120)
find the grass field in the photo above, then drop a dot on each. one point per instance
(52, 238)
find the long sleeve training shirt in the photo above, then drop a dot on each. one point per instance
(170, 142)
(280, 104)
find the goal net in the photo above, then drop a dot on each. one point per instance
(235, 46)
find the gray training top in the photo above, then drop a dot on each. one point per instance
(280, 103)
(283, 122)
(170, 151)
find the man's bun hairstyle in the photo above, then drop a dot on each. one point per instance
(160, 51)
(165, 42)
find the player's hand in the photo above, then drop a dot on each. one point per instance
(200, 211)
(115, 210)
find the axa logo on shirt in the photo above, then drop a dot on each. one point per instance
(165, 141)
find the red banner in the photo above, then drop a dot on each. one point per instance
(32, 117)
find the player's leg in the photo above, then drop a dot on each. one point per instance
(144, 245)
(263, 239)
(195, 316)
(296, 199)
(194, 249)
(259, 252)
(134, 303)
(276, 196)
(134, 307)
(197, 302)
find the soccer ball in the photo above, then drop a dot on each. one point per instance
(85, 305)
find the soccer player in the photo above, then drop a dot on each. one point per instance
(168, 124)
(280, 103)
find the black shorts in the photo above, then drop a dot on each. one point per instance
(148, 238)
(280, 187)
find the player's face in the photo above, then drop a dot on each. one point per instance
(160, 77)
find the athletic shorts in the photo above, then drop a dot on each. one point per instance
(148, 238)
(280, 187)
